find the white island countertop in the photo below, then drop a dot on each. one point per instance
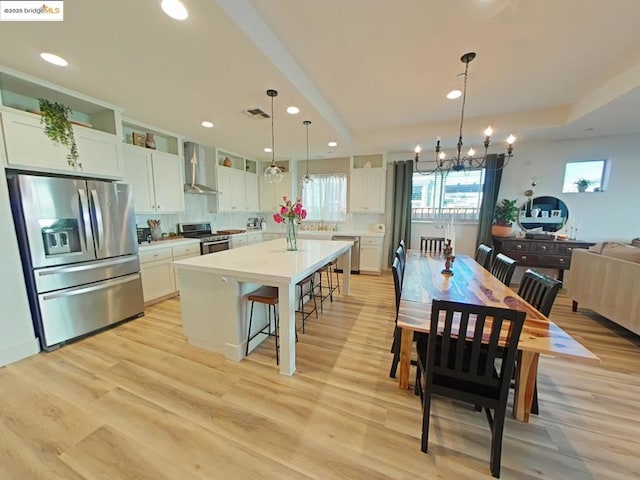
(268, 262)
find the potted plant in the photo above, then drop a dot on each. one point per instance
(58, 128)
(582, 184)
(505, 214)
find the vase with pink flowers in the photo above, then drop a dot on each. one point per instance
(291, 214)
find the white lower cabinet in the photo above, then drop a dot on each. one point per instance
(254, 238)
(238, 241)
(180, 253)
(158, 279)
(371, 254)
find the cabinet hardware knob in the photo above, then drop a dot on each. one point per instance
(561, 260)
(519, 247)
(569, 249)
(543, 248)
(524, 257)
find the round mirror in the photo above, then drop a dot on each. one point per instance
(549, 214)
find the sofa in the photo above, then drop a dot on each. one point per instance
(606, 279)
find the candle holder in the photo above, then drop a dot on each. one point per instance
(449, 258)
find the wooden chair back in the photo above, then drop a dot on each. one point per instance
(539, 290)
(484, 255)
(503, 268)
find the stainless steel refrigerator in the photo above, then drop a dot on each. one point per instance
(79, 253)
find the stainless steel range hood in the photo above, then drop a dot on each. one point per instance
(194, 171)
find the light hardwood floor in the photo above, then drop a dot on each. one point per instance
(137, 402)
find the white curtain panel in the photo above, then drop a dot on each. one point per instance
(325, 199)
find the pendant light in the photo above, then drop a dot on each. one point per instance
(306, 180)
(272, 174)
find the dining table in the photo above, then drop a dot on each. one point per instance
(470, 283)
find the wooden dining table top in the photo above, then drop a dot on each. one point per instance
(471, 283)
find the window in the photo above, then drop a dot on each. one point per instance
(442, 196)
(587, 176)
(325, 198)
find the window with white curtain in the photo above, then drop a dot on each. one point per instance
(325, 198)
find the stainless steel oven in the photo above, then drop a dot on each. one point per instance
(210, 241)
(212, 246)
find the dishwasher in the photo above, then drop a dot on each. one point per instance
(355, 253)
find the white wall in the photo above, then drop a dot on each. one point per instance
(609, 215)
(17, 338)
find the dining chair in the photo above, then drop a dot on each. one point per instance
(540, 291)
(403, 246)
(396, 269)
(431, 244)
(462, 367)
(484, 255)
(503, 268)
(402, 256)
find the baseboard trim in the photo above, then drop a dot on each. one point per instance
(18, 352)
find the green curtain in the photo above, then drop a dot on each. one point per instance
(401, 212)
(493, 177)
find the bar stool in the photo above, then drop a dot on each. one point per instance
(333, 265)
(324, 271)
(269, 297)
(311, 292)
(431, 244)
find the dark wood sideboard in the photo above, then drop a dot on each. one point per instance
(539, 253)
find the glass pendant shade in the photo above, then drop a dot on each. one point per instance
(272, 174)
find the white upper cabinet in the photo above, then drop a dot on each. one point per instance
(236, 182)
(157, 175)
(96, 129)
(367, 190)
(157, 179)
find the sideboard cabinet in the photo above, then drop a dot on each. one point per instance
(539, 253)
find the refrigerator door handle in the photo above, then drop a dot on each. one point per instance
(82, 268)
(86, 219)
(80, 291)
(99, 222)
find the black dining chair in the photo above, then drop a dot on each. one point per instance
(540, 291)
(503, 268)
(402, 256)
(484, 254)
(462, 367)
(398, 273)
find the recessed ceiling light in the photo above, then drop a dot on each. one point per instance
(55, 59)
(175, 9)
(333, 144)
(293, 110)
(267, 149)
(206, 124)
(453, 94)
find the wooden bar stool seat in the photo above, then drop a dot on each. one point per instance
(431, 244)
(269, 297)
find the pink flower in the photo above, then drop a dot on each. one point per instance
(283, 210)
(303, 214)
(297, 209)
(284, 197)
(277, 218)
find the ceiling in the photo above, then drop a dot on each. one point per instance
(370, 74)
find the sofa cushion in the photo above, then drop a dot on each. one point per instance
(621, 251)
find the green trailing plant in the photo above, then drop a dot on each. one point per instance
(506, 212)
(57, 127)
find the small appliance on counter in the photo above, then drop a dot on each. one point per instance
(144, 234)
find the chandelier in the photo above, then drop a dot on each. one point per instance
(461, 160)
(306, 180)
(272, 174)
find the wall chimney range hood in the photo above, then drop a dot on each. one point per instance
(194, 171)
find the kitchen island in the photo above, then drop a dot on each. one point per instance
(214, 287)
